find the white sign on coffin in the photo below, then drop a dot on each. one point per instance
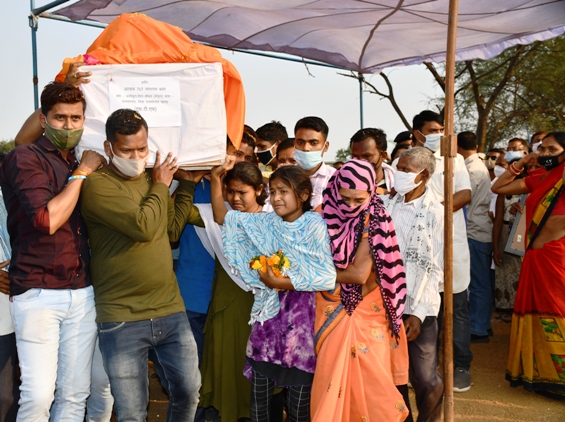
(183, 104)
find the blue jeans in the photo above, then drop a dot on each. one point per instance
(126, 347)
(480, 289)
(99, 404)
(462, 356)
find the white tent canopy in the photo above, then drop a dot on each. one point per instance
(361, 35)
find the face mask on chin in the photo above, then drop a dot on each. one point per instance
(128, 167)
(63, 139)
(308, 160)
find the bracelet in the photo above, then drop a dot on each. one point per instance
(515, 170)
(73, 177)
(80, 172)
(512, 172)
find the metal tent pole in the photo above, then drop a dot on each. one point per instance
(449, 152)
(33, 26)
(361, 79)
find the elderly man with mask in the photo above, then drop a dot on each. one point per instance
(418, 218)
(427, 132)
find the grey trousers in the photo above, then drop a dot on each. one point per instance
(424, 376)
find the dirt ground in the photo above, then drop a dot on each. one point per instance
(489, 399)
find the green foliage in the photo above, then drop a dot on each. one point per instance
(7, 146)
(521, 89)
(343, 154)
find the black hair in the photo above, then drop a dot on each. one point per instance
(420, 120)
(298, 180)
(286, 144)
(559, 138)
(272, 132)
(396, 149)
(248, 139)
(249, 130)
(314, 123)
(467, 140)
(499, 150)
(60, 92)
(522, 141)
(248, 174)
(378, 135)
(124, 122)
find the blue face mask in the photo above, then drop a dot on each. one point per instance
(308, 160)
(433, 141)
(513, 155)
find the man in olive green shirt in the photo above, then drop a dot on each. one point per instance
(131, 220)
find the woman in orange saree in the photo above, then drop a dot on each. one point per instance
(360, 338)
(537, 341)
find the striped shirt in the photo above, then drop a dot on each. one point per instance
(422, 284)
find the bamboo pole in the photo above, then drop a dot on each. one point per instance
(449, 151)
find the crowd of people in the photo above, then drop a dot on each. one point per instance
(273, 283)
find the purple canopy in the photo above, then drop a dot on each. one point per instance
(360, 35)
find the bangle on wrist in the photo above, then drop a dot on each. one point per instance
(75, 177)
(515, 169)
(80, 172)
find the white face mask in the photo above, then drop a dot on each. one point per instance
(499, 170)
(308, 159)
(128, 167)
(433, 141)
(405, 182)
(536, 146)
(513, 155)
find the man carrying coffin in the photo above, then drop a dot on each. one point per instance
(140, 313)
(51, 302)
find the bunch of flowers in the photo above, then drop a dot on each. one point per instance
(278, 262)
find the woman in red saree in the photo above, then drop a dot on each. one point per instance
(537, 341)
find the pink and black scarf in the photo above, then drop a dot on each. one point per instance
(346, 225)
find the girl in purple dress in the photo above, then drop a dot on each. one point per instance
(280, 350)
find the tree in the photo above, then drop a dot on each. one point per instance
(372, 89)
(7, 146)
(521, 89)
(343, 154)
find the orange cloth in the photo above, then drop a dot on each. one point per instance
(359, 363)
(137, 38)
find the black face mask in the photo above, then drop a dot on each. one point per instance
(266, 156)
(549, 163)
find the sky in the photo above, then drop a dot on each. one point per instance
(275, 89)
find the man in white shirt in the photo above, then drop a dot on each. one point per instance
(310, 145)
(419, 223)
(479, 235)
(427, 131)
(370, 145)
